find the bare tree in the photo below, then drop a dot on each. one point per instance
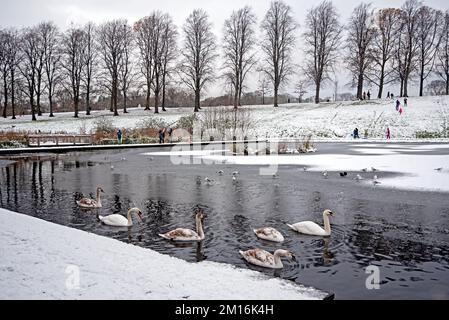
(90, 61)
(41, 30)
(428, 38)
(29, 65)
(198, 55)
(112, 39)
(169, 54)
(381, 70)
(238, 46)
(14, 57)
(263, 85)
(407, 49)
(278, 43)
(144, 33)
(4, 68)
(360, 37)
(73, 50)
(322, 38)
(126, 74)
(442, 66)
(301, 88)
(50, 38)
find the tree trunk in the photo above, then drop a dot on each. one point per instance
(13, 102)
(360, 86)
(401, 91)
(236, 95)
(115, 97)
(50, 100)
(421, 81)
(405, 87)
(38, 96)
(147, 102)
(163, 93)
(317, 94)
(156, 99)
(76, 105)
(88, 98)
(5, 88)
(125, 97)
(447, 84)
(197, 101)
(276, 88)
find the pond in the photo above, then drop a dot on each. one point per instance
(404, 233)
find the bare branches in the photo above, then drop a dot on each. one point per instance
(442, 65)
(322, 39)
(361, 33)
(278, 43)
(198, 55)
(238, 47)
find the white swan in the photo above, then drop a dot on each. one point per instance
(181, 234)
(270, 234)
(117, 220)
(311, 228)
(265, 259)
(91, 203)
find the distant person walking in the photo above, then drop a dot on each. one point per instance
(405, 102)
(161, 135)
(388, 133)
(388, 95)
(398, 104)
(119, 136)
(368, 95)
(392, 96)
(364, 95)
(356, 133)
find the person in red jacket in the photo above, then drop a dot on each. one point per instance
(388, 133)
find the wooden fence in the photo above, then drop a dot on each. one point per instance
(48, 140)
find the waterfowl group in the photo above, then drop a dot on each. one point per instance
(313, 229)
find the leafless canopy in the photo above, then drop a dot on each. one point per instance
(198, 54)
(278, 43)
(359, 44)
(238, 47)
(442, 66)
(322, 40)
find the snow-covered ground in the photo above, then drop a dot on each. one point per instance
(327, 120)
(42, 260)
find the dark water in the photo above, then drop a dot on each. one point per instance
(404, 233)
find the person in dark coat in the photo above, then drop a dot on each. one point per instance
(161, 135)
(388, 95)
(405, 101)
(119, 136)
(398, 104)
(356, 133)
(369, 95)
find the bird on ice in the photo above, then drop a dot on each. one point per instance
(374, 169)
(235, 173)
(365, 170)
(220, 172)
(325, 174)
(234, 178)
(208, 181)
(375, 181)
(438, 169)
(343, 174)
(358, 177)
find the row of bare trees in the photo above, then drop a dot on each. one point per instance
(391, 45)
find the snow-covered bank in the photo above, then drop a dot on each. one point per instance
(41, 260)
(333, 120)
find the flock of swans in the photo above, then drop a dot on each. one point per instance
(256, 257)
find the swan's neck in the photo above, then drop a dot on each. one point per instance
(130, 218)
(277, 260)
(199, 228)
(327, 224)
(98, 197)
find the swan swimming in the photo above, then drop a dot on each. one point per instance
(91, 203)
(117, 220)
(313, 229)
(270, 234)
(181, 234)
(265, 259)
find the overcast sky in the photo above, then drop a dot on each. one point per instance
(21, 13)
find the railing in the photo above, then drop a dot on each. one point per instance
(48, 140)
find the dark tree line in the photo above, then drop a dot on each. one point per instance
(41, 64)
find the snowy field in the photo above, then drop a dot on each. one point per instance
(325, 121)
(42, 260)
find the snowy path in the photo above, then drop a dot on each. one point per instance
(39, 259)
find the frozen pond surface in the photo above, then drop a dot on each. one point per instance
(404, 233)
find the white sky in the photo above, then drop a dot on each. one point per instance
(20, 13)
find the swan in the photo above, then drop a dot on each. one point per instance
(91, 203)
(270, 234)
(311, 228)
(187, 234)
(265, 259)
(117, 220)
